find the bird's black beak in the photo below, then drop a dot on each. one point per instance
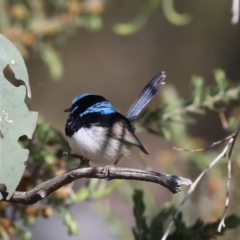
(67, 110)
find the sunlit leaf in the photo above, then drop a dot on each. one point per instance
(81, 195)
(92, 22)
(165, 132)
(106, 190)
(136, 24)
(68, 221)
(52, 59)
(220, 78)
(172, 16)
(130, 27)
(198, 89)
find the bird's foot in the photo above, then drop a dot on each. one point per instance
(84, 163)
(106, 171)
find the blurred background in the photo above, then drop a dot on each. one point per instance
(113, 48)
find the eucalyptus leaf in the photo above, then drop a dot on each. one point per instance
(15, 118)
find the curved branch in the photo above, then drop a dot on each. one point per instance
(173, 183)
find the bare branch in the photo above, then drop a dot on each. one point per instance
(214, 144)
(222, 222)
(195, 183)
(173, 183)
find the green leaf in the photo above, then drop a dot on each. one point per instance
(52, 59)
(220, 78)
(232, 123)
(157, 224)
(92, 22)
(81, 195)
(198, 89)
(106, 190)
(31, 220)
(131, 27)
(196, 110)
(48, 157)
(165, 132)
(232, 221)
(23, 233)
(141, 230)
(15, 118)
(68, 221)
(172, 16)
(136, 24)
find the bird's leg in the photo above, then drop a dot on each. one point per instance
(106, 169)
(83, 161)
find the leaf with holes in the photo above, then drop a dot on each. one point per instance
(15, 118)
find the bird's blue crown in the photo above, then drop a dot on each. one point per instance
(87, 103)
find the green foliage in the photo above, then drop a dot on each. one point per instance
(174, 110)
(141, 229)
(155, 229)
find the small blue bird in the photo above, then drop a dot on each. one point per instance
(97, 132)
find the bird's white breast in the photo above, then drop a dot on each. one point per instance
(94, 145)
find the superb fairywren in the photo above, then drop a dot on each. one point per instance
(97, 132)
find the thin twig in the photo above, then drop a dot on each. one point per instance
(222, 222)
(223, 120)
(235, 11)
(173, 183)
(195, 183)
(214, 144)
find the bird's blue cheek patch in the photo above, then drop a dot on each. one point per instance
(103, 108)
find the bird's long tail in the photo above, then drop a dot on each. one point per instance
(146, 95)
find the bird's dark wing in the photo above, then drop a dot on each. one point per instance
(123, 131)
